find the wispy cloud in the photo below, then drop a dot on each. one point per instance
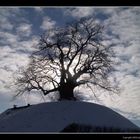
(14, 48)
(8, 38)
(123, 24)
(39, 10)
(47, 23)
(79, 12)
(5, 22)
(24, 29)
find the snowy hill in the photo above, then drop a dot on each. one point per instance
(55, 116)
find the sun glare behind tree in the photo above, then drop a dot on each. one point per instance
(67, 58)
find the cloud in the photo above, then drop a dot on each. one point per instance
(7, 16)
(125, 23)
(47, 23)
(10, 61)
(27, 46)
(8, 38)
(121, 32)
(16, 44)
(79, 12)
(5, 24)
(14, 47)
(24, 29)
(39, 10)
(9, 11)
(13, 56)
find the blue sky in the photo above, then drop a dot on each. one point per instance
(20, 29)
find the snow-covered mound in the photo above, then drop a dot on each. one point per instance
(55, 116)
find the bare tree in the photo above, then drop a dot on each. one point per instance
(67, 58)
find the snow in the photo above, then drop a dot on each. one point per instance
(55, 116)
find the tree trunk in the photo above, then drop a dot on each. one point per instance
(66, 92)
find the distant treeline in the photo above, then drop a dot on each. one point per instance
(75, 127)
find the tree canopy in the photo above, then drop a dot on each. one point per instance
(66, 58)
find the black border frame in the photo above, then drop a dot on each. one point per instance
(69, 2)
(74, 3)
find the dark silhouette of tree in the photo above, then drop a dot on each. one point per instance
(67, 58)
